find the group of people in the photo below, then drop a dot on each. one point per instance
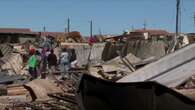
(40, 62)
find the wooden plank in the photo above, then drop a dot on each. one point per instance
(42, 87)
(11, 91)
(16, 98)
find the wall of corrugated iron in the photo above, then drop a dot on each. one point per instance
(82, 53)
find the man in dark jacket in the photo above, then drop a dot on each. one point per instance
(52, 61)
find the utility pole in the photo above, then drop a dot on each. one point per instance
(132, 27)
(68, 25)
(91, 28)
(44, 29)
(100, 31)
(178, 13)
(145, 24)
(91, 35)
(65, 30)
(194, 19)
(177, 17)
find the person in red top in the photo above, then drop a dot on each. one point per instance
(32, 63)
(91, 41)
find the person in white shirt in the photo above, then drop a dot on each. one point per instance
(64, 63)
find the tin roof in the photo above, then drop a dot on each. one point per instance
(15, 30)
(153, 31)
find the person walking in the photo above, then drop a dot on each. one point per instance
(43, 65)
(64, 62)
(52, 62)
(38, 58)
(32, 64)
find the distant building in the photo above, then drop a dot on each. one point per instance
(16, 35)
(142, 34)
(73, 36)
(113, 38)
(149, 34)
(22, 35)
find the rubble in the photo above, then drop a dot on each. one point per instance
(41, 88)
(132, 58)
(13, 64)
(107, 75)
(6, 49)
(41, 94)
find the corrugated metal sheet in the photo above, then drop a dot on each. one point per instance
(13, 64)
(6, 49)
(82, 53)
(171, 70)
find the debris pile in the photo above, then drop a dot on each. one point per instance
(40, 94)
(142, 64)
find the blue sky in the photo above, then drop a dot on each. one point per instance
(111, 16)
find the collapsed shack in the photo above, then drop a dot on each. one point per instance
(103, 60)
(171, 70)
(97, 94)
(116, 68)
(115, 60)
(11, 62)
